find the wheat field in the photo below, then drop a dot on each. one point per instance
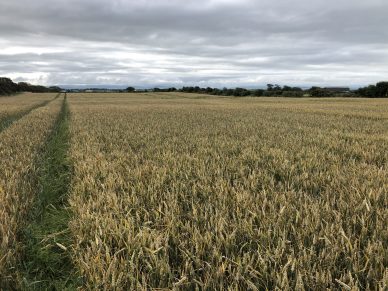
(179, 191)
(20, 147)
(11, 104)
(15, 107)
(174, 191)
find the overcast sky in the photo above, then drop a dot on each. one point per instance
(194, 42)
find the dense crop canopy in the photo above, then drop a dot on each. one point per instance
(188, 191)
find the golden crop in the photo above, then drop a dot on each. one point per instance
(21, 102)
(20, 146)
(183, 191)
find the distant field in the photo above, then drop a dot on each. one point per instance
(16, 106)
(184, 191)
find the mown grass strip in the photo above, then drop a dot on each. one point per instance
(47, 264)
(7, 122)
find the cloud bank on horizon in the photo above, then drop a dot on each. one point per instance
(207, 43)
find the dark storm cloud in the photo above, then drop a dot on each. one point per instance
(214, 42)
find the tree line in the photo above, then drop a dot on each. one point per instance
(380, 90)
(272, 90)
(8, 87)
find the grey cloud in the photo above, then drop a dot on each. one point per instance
(217, 42)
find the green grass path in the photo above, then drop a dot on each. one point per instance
(47, 264)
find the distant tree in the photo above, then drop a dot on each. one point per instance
(130, 89)
(216, 91)
(277, 88)
(209, 90)
(270, 87)
(23, 86)
(320, 92)
(55, 89)
(369, 91)
(240, 92)
(229, 92)
(8, 87)
(382, 89)
(258, 92)
(26, 87)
